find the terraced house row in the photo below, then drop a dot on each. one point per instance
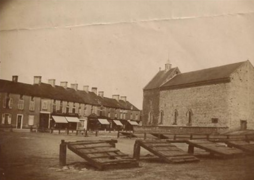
(47, 105)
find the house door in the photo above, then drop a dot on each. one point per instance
(44, 122)
(19, 121)
(243, 125)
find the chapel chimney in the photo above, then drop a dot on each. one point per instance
(167, 66)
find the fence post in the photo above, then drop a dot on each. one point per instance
(118, 134)
(207, 136)
(144, 136)
(96, 132)
(246, 138)
(136, 151)
(191, 149)
(62, 153)
(86, 133)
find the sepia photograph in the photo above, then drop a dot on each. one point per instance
(127, 89)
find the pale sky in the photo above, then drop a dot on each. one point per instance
(119, 45)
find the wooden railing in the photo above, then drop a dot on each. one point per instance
(184, 137)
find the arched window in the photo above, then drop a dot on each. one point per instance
(189, 115)
(161, 117)
(175, 117)
(150, 118)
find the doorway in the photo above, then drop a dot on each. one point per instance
(243, 124)
(19, 121)
(44, 122)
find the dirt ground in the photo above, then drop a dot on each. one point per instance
(35, 156)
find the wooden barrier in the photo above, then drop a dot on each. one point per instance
(101, 154)
(183, 137)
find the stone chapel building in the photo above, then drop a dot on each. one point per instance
(216, 97)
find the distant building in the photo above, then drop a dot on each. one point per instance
(46, 106)
(219, 97)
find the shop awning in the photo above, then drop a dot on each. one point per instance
(72, 119)
(103, 121)
(117, 122)
(133, 123)
(59, 119)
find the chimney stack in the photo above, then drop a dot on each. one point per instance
(64, 84)
(86, 88)
(101, 93)
(116, 97)
(94, 90)
(52, 82)
(37, 79)
(14, 78)
(123, 98)
(74, 86)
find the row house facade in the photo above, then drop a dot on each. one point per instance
(40, 105)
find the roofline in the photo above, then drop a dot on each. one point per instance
(200, 83)
(216, 67)
(174, 69)
(79, 100)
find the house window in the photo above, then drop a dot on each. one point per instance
(76, 108)
(131, 116)
(21, 103)
(7, 102)
(175, 117)
(31, 120)
(215, 120)
(59, 106)
(136, 116)
(109, 114)
(44, 105)
(91, 109)
(67, 107)
(63, 107)
(70, 107)
(6, 119)
(80, 110)
(116, 115)
(54, 106)
(32, 104)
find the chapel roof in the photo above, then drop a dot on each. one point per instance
(205, 76)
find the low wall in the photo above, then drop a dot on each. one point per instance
(181, 129)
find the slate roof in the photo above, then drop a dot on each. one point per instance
(160, 78)
(206, 76)
(44, 90)
(16, 88)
